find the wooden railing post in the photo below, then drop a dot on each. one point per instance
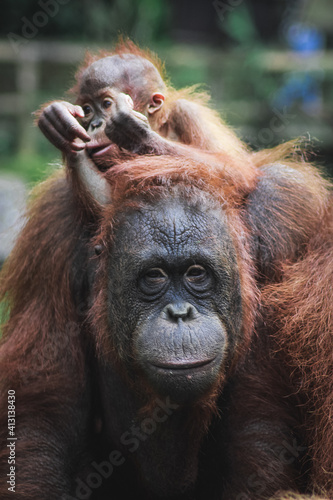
(27, 81)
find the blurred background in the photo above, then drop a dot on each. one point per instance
(268, 65)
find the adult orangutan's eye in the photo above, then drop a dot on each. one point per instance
(155, 275)
(153, 281)
(196, 273)
(198, 278)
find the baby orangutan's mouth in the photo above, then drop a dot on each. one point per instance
(97, 149)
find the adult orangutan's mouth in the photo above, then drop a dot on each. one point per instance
(183, 365)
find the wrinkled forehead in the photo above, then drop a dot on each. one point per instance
(173, 228)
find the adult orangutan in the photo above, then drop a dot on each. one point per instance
(173, 342)
(162, 365)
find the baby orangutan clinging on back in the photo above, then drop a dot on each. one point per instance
(126, 86)
(203, 288)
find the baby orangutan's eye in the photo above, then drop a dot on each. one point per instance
(107, 103)
(87, 109)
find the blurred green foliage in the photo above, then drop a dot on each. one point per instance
(31, 168)
(242, 83)
(239, 26)
(99, 21)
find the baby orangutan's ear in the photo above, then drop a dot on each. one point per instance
(156, 102)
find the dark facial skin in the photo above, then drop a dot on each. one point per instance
(175, 297)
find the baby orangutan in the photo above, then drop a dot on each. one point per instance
(125, 90)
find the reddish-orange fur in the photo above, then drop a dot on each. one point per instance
(185, 115)
(300, 309)
(50, 334)
(36, 284)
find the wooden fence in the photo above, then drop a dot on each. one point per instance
(27, 61)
